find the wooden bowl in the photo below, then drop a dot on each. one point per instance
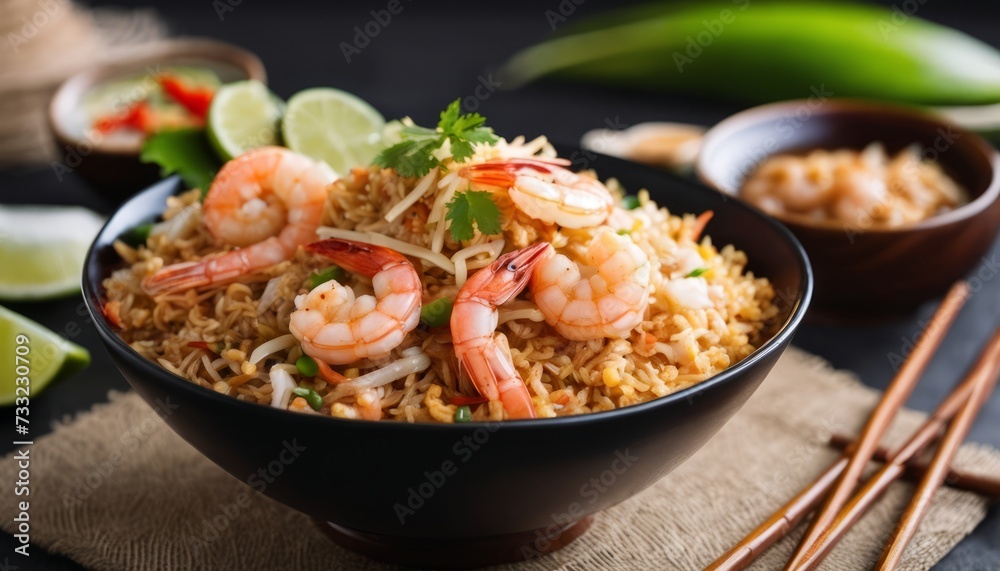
(112, 167)
(871, 272)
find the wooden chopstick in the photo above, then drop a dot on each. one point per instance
(987, 367)
(789, 515)
(921, 501)
(957, 479)
(894, 398)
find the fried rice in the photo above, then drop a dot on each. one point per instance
(706, 311)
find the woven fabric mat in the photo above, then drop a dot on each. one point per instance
(117, 489)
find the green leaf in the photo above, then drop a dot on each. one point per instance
(449, 116)
(460, 149)
(696, 272)
(473, 206)
(414, 155)
(186, 152)
(482, 135)
(409, 158)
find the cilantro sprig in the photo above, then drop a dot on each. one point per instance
(473, 206)
(414, 155)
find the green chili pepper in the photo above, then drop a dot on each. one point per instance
(436, 313)
(769, 51)
(332, 273)
(312, 397)
(463, 414)
(307, 366)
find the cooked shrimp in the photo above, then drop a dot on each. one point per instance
(474, 319)
(546, 191)
(335, 327)
(790, 183)
(605, 296)
(861, 194)
(267, 202)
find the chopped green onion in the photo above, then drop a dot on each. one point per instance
(312, 397)
(463, 414)
(331, 273)
(436, 313)
(307, 366)
(696, 273)
(623, 232)
(630, 202)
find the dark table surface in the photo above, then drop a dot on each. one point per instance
(429, 55)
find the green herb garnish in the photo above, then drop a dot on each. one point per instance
(312, 397)
(307, 366)
(414, 155)
(186, 152)
(630, 202)
(436, 313)
(624, 232)
(463, 414)
(695, 273)
(332, 273)
(473, 206)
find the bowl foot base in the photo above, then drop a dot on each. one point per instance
(456, 553)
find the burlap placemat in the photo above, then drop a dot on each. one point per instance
(117, 489)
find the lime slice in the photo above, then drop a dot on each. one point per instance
(42, 249)
(243, 116)
(333, 126)
(32, 351)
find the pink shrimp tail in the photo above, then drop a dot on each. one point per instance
(178, 277)
(216, 270)
(356, 257)
(504, 173)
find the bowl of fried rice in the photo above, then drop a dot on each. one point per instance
(452, 355)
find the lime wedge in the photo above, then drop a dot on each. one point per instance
(333, 126)
(42, 249)
(31, 351)
(243, 116)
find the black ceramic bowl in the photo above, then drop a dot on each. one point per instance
(461, 494)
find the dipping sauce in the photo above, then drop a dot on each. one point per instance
(860, 188)
(166, 98)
